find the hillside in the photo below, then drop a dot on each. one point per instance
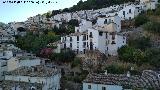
(91, 4)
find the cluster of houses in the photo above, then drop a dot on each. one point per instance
(105, 35)
(20, 70)
(126, 11)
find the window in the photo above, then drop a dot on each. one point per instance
(103, 88)
(70, 38)
(105, 22)
(87, 37)
(90, 35)
(84, 38)
(106, 36)
(124, 13)
(129, 10)
(100, 33)
(113, 37)
(84, 51)
(70, 45)
(77, 51)
(64, 45)
(77, 38)
(89, 86)
(110, 20)
(84, 44)
(77, 44)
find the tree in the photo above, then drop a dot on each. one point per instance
(132, 55)
(34, 43)
(65, 56)
(141, 43)
(73, 22)
(153, 57)
(152, 27)
(140, 20)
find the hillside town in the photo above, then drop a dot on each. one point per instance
(95, 41)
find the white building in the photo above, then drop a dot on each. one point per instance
(104, 38)
(102, 21)
(63, 17)
(83, 26)
(128, 12)
(91, 86)
(48, 77)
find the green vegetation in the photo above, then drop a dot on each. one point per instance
(65, 28)
(76, 62)
(152, 27)
(132, 55)
(34, 43)
(140, 50)
(65, 56)
(150, 56)
(141, 43)
(140, 20)
(117, 68)
(153, 57)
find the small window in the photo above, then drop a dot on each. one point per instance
(89, 86)
(123, 12)
(110, 20)
(105, 22)
(129, 10)
(84, 37)
(84, 44)
(84, 51)
(113, 37)
(77, 38)
(100, 33)
(106, 36)
(77, 44)
(103, 88)
(70, 38)
(65, 45)
(70, 45)
(90, 35)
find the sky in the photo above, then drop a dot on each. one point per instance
(19, 12)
